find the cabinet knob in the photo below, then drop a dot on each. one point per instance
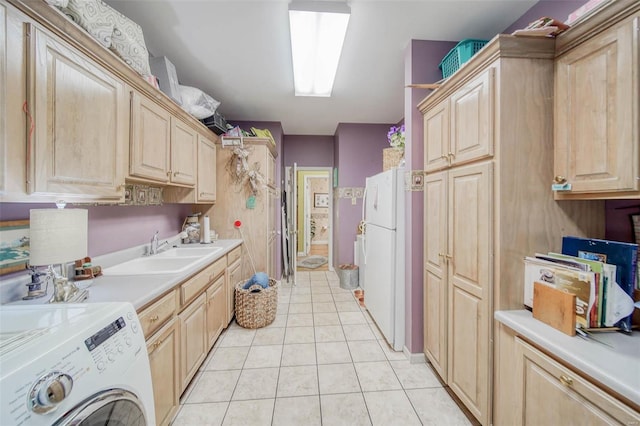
(566, 380)
(169, 173)
(175, 173)
(559, 179)
(154, 318)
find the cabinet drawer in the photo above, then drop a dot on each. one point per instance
(565, 395)
(234, 255)
(195, 285)
(155, 315)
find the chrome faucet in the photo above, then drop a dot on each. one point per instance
(154, 246)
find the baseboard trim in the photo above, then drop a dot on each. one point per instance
(417, 358)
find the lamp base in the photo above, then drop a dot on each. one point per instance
(66, 291)
(34, 294)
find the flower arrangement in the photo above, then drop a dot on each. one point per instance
(396, 137)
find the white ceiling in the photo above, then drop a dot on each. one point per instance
(238, 51)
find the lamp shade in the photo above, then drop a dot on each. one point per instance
(57, 235)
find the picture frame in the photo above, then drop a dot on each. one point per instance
(154, 196)
(14, 245)
(320, 199)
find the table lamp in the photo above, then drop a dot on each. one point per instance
(58, 236)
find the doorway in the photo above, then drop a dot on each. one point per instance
(314, 206)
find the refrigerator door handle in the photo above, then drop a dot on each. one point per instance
(364, 222)
(375, 199)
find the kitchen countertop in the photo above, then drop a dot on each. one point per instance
(616, 366)
(138, 290)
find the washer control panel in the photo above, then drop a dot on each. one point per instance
(112, 342)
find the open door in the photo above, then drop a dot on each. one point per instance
(290, 214)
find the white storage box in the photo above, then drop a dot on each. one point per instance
(165, 72)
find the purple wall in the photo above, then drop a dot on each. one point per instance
(113, 228)
(308, 151)
(358, 154)
(558, 9)
(618, 226)
(421, 66)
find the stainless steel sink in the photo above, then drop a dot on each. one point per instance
(153, 265)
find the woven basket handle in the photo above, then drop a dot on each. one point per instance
(255, 288)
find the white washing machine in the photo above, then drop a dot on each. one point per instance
(74, 364)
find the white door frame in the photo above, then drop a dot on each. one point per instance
(329, 177)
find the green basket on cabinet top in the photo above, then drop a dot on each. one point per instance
(460, 54)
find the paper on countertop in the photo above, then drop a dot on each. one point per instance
(619, 305)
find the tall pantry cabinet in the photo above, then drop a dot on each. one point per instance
(232, 203)
(488, 160)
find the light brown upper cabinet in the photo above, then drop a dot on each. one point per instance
(206, 190)
(3, 99)
(163, 147)
(459, 129)
(79, 128)
(597, 110)
(184, 153)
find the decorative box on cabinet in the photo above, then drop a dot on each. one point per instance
(597, 112)
(488, 162)
(258, 223)
(79, 113)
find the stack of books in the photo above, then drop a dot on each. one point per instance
(601, 273)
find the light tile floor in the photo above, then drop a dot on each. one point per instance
(321, 362)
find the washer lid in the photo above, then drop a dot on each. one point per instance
(26, 325)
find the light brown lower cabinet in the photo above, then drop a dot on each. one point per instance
(193, 339)
(163, 359)
(535, 389)
(216, 310)
(234, 275)
(179, 338)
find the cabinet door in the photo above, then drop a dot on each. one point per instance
(206, 170)
(79, 115)
(271, 170)
(184, 151)
(193, 338)
(150, 139)
(3, 95)
(216, 310)
(472, 115)
(597, 117)
(435, 273)
(234, 273)
(470, 247)
(163, 359)
(565, 397)
(436, 137)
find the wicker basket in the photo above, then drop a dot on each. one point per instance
(256, 306)
(391, 158)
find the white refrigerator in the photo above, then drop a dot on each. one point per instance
(384, 253)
